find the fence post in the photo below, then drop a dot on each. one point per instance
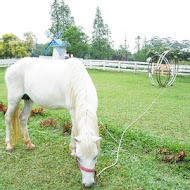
(119, 66)
(135, 68)
(104, 66)
(90, 64)
(172, 70)
(153, 68)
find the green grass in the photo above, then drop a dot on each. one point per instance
(184, 62)
(122, 98)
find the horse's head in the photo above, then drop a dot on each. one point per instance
(87, 149)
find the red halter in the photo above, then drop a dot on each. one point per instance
(83, 168)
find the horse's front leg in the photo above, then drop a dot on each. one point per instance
(72, 143)
(23, 120)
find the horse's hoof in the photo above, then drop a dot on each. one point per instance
(30, 147)
(9, 148)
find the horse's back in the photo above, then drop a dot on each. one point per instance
(48, 82)
(28, 64)
(30, 67)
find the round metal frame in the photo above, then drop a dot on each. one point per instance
(160, 66)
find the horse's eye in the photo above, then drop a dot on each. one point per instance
(78, 159)
(95, 157)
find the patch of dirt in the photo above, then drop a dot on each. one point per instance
(3, 108)
(167, 156)
(67, 127)
(48, 123)
(37, 111)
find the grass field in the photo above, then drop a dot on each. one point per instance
(184, 63)
(122, 98)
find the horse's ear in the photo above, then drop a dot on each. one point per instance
(96, 139)
(77, 139)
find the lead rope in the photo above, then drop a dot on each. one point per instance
(126, 128)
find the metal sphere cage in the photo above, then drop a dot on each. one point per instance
(163, 69)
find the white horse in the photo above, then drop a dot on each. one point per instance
(57, 84)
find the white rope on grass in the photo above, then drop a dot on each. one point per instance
(111, 136)
(126, 128)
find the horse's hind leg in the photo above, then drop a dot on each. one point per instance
(23, 120)
(12, 105)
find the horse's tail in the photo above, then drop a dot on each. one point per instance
(16, 125)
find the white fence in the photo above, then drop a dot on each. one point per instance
(4, 63)
(184, 70)
(131, 66)
(116, 65)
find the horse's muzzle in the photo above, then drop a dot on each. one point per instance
(88, 185)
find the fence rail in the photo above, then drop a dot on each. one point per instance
(4, 63)
(117, 65)
(131, 66)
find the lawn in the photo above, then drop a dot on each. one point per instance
(122, 98)
(184, 63)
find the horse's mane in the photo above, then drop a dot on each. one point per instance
(85, 115)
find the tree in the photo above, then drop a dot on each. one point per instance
(78, 40)
(184, 54)
(60, 17)
(18, 49)
(138, 44)
(101, 47)
(122, 54)
(1, 49)
(30, 41)
(6, 39)
(12, 46)
(126, 46)
(158, 45)
(143, 52)
(145, 49)
(185, 44)
(39, 49)
(137, 47)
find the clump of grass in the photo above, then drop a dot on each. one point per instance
(36, 111)
(48, 123)
(166, 155)
(3, 108)
(102, 127)
(67, 127)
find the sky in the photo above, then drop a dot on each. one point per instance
(130, 18)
